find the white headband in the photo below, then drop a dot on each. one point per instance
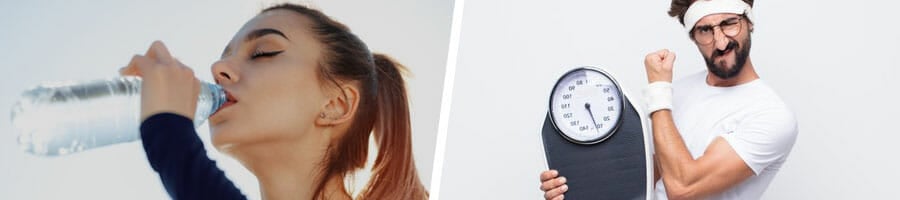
(702, 8)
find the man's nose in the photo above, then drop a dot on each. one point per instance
(720, 39)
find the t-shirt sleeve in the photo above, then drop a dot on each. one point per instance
(764, 138)
(177, 154)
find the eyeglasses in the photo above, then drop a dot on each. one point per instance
(706, 34)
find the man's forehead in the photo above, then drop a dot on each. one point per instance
(714, 19)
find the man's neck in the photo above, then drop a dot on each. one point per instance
(746, 75)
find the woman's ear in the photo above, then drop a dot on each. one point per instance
(340, 108)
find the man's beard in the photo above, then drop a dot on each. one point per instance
(740, 58)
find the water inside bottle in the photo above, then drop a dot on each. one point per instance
(60, 118)
(50, 119)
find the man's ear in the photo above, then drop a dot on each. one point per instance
(750, 26)
(340, 108)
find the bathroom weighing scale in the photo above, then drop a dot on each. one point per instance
(594, 136)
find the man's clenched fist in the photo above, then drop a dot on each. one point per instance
(659, 65)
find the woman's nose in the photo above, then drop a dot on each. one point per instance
(224, 72)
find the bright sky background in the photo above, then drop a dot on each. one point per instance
(64, 40)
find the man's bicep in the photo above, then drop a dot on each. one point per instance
(733, 157)
(721, 168)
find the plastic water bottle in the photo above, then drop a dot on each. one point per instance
(60, 118)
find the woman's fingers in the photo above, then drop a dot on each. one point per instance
(157, 56)
(127, 71)
(190, 72)
(132, 68)
(159, 52)
(157, 62)
(168, 85)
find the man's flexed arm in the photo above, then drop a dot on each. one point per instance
(718, 169)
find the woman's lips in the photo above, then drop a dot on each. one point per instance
(229, 100)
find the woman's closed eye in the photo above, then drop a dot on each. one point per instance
(264, 54)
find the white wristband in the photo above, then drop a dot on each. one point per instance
(658, 96)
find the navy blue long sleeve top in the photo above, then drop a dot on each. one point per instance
(177, 154)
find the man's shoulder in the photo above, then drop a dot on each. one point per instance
(767, 95)
(767, 105)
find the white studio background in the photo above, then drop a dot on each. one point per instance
(64, 40)
(833, 62)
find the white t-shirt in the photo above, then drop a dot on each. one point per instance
(750, 117)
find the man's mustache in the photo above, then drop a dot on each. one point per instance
(731, 46)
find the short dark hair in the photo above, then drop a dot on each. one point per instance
(679, 7)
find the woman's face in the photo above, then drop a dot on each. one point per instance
(269, 69)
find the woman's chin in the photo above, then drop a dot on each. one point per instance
(225, 140)
(222, 138)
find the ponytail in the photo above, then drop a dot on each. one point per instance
(394, 173)
(383, 108)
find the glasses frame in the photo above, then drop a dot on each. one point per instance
(740, 26)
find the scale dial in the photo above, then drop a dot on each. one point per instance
(586, 105)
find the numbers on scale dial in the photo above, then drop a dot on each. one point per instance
(586, 105)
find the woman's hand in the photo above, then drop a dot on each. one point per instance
(168, 85)
(552, 186)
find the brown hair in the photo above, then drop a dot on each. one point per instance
(679, 7)
(383, 107)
